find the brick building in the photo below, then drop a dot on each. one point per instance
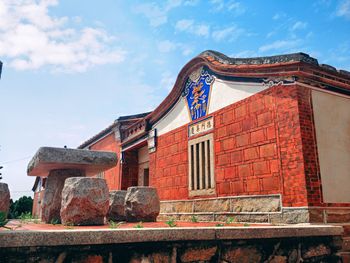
(263, 139)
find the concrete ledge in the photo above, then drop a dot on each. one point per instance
(47, 159)
(46, 238)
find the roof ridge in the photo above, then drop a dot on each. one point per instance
(292, 57)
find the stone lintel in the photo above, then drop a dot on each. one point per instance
(51, 158)
(46, 238)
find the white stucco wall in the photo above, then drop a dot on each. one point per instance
(332, 124)
(223, 93)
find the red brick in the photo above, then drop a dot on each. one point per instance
(271, 132)
(184, 180)
(228, 144)
(224, 188)
(274, 166)
(230, 172)
(224, 159)
(251, 153)
(222, 132)
(236, 157)
(268, 150)
(253, 185)
(220, 174)
(264, 118)
(261, 167)
(173, 148)
(242, 140)
(240, 111)
(234, 128)
(270, 183)
(256, 105)
(227, 117)
(257, 136)
(217, 146)
(169, 181)
(249, 123)
(237, 187)
(244, 170)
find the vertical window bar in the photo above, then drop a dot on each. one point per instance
(195, 167)
(198, 177)
(211, 175)
(206, 162)
(200, 165)
(191, 168)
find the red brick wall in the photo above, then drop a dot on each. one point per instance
(112, 175)
(168, 165)
(259, 149)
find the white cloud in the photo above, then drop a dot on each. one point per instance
(31, 39)
(229, 33)
(156, 14)
(280, 45)
(188, 25)
(166, 46)
(344, 9)
(231, 6)
(191, 2)
(298, 25)
(184, 24)
(278, 16)
(168, 80)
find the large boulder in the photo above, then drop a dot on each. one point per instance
(116, 211)
(84, 201)
(142, 204)
(51, 203)
(4, 198)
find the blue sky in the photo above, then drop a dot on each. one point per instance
(71, 67)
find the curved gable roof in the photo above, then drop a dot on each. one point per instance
(300, 66)
(263, 67)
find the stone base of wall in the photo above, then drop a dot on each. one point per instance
(253, 209)
(315, 249)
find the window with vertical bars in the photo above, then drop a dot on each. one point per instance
(100, 175)
(201, 166)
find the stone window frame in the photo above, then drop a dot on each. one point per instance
(203, 179)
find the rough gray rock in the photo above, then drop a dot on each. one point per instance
(50, 158)
(142, 204)
(84, 201)
(4, 198)
(51, 203)
(116, 211)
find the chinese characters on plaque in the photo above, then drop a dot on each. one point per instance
(201, 126)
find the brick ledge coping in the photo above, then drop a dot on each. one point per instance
(46, 238)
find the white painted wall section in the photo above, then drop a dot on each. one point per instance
(175, 118)
(332, 125)
(223, 93)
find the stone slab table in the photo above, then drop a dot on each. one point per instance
(58, 164)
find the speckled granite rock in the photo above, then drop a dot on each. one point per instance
(142, 204)
(84, 201)
(4, 198)
(116, 211)
(51, 203)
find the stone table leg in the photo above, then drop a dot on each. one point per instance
(51, 203)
